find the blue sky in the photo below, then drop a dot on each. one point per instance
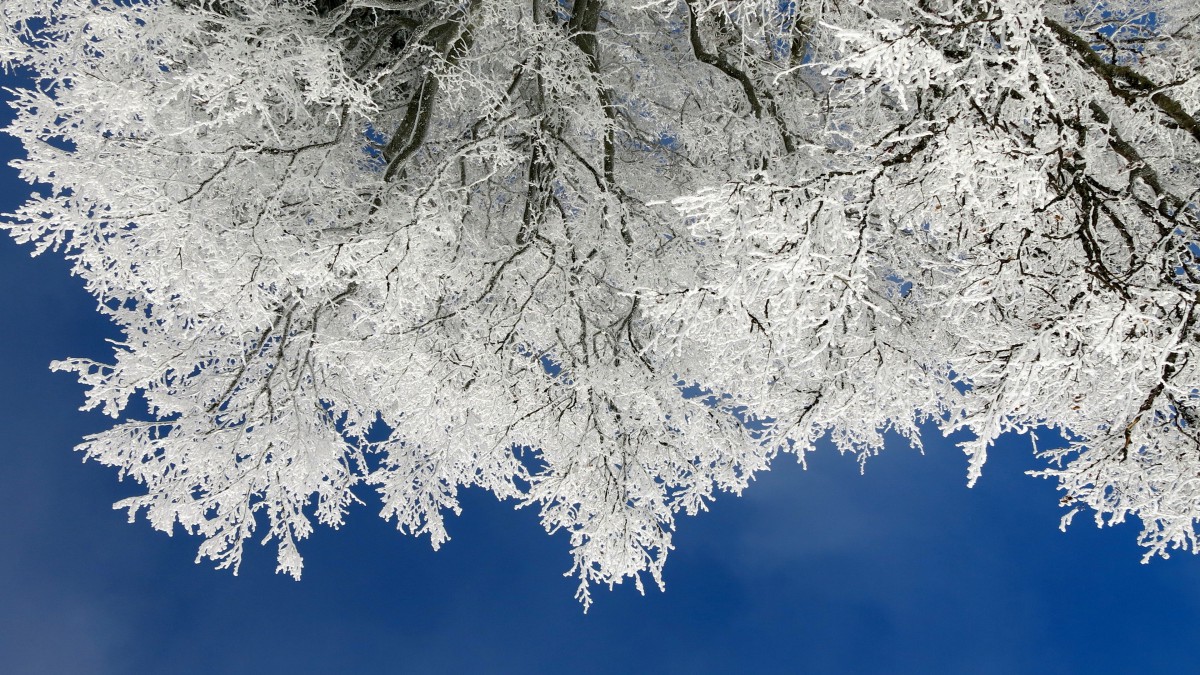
(903, 570)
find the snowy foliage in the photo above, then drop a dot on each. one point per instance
(609, 258)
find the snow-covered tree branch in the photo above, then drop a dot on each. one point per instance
(408, 247)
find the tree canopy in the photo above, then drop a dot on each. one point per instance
(609, 258)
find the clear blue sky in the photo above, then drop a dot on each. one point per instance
(903, 570)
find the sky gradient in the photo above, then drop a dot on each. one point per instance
(901, 570)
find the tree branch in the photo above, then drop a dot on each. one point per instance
(1123, 81)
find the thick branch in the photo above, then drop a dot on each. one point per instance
(582, 29)
(715, 60)
(1123, 81)
(1170, 206)
(738, 75)
(1169, 368)
(391, 5)
(452, 39)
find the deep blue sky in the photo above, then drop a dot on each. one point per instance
(903, 570)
